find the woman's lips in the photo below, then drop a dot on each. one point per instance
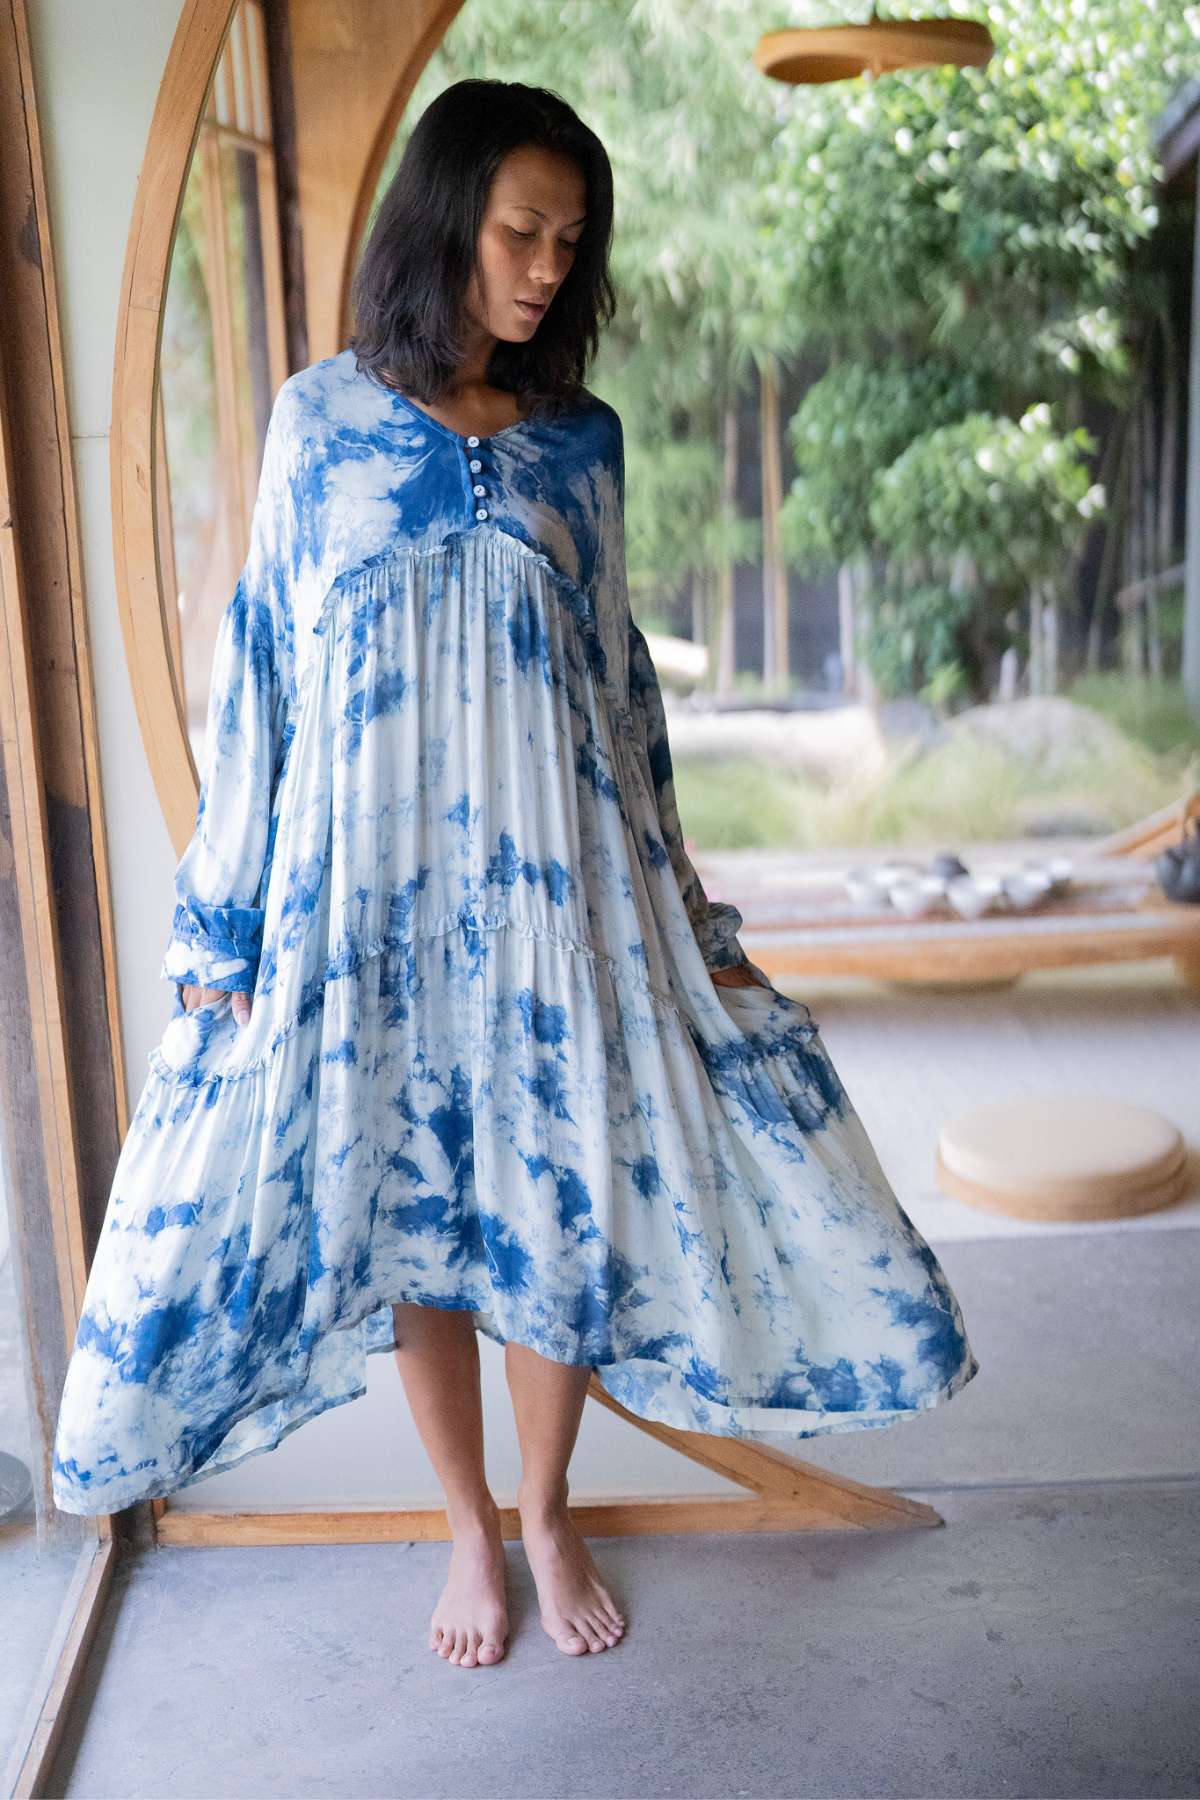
(532, 309)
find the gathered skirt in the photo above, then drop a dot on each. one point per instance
(486, 1068)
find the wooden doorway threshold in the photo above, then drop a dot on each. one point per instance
(783, 1494)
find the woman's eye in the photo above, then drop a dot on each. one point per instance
(530, 235)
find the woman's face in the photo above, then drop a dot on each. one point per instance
(533, 220)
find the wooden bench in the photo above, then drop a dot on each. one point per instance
(798, 920)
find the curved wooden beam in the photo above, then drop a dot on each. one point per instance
(132, 449)
(354, 67)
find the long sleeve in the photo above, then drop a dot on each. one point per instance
(715, 923)
(216, 932)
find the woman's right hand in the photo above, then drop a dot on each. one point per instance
(200, 996)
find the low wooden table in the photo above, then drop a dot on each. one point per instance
(798, 920)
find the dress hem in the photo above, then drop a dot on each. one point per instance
(827, 1420)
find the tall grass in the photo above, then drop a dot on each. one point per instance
(957, 792)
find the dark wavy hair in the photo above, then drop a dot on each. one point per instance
(411, 278)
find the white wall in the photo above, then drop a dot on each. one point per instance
(97, 69)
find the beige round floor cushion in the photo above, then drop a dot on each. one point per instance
(1063, 1156)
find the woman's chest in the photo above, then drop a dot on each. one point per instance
(389, 492)
(435, 504)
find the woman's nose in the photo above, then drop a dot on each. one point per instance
(548, 268)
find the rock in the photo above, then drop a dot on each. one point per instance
(835, 744)
(1046, 733)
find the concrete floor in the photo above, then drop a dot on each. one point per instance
(1043, 1642)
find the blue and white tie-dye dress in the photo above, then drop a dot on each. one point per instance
(486, 1065)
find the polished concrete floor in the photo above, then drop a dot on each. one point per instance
(1043, 1641)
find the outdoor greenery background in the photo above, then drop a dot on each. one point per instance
(965, 252)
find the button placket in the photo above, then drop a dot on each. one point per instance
(478, 489)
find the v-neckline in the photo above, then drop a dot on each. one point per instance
(460, 437)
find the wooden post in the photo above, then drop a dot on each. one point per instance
(1191, 562)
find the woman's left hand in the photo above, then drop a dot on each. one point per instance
(739, 976)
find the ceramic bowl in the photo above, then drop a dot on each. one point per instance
(1026, 888)
(918, 896)
(861, 886)
(973, 895)
(1060, 870)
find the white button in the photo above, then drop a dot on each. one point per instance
(472, 441)
(479, 488)
(481, 512)
(475, 465)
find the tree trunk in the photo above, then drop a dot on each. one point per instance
(1050, 641)
(848, 580)
(1190, 671)
(776, 659)
(1113, 469)
(865, 688)
(726, 650)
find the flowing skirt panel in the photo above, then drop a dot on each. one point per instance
(486, 1068)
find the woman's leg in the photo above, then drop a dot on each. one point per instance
(577, 1608)
(438, 1355)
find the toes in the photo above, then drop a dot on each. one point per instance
(601, 1626)
(490, 1652)
(573, 1644)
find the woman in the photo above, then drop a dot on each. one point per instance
(460, 1043)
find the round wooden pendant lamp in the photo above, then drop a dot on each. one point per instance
(807, 56)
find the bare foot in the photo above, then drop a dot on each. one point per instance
(470, 1621)
(577, 1609)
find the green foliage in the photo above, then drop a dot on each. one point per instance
(1013, 491)
(736, 804)
(913, 644)
(961, 243)
(852, 423)
(984, 214)
(958, 793)
(1153, 713)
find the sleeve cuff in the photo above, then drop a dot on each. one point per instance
(717, 936)
(214, 946)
